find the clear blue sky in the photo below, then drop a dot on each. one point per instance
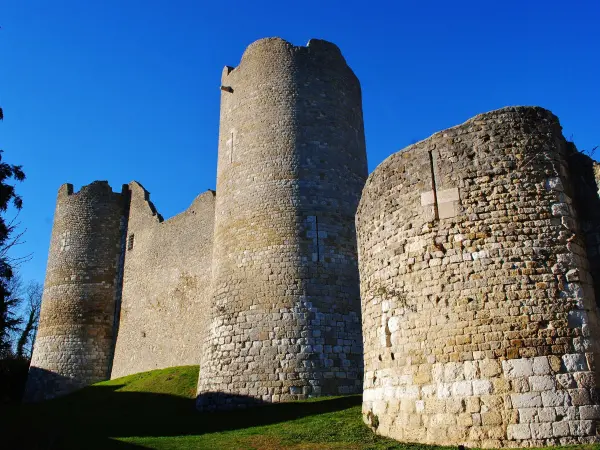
(124, 90)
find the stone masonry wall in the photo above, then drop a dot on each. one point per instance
(479, 320)
(73, 347)
(585, 174)
(292, 163)
(166, 284)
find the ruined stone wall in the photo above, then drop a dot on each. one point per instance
(73, 346)
(166, 284)
(479, 320)
(292, 163)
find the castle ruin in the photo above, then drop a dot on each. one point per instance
(478, 251)
(257, 282)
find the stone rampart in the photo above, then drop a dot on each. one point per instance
(166, 283)
(479, 320)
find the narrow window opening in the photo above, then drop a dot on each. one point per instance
(130, 242)
(388, 334)
(433, 185)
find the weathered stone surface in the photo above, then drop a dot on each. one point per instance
(166, 285)
(260, 281)
(479, 251)
(493, 296)
(74, 341)
(292, 164)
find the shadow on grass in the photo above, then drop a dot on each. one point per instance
(90, 417)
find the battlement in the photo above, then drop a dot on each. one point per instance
(95, 188)
(270, 49)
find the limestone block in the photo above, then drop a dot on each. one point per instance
(528, 415)
(490, 368)
(514, 368)
(585, 380)
(589, 412)
(527, 400)
(560, 429)
(462, 389)
(518, 432)
(482, 387)
(547, 414)
(555, 398)
(581, 427)
(542, 383)
(541, 366)
(566, 380)
(541, 430)
(579, 397)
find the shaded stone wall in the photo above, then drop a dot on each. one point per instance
(479, 319)
(73, 346)
(166, 284)
(292, 163)
(585, 174)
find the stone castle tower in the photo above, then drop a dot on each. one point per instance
(258, 283)
(74, 341)
(478, 252)
(292, 164)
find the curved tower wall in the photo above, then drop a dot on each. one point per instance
(292, 164)
(585, 173)
(73, 347)
(479, 320)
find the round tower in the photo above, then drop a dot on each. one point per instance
(73, 347)
(291, 166)
(479, 320)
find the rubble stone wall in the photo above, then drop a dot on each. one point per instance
(479, 320)
(585, 174)
(166, 285)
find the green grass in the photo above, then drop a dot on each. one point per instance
(177, 381)
(156, 410)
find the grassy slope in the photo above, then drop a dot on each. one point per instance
(156, 410)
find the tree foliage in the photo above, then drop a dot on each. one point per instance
(9, 321)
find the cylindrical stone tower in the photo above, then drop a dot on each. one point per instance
(73, 347)
(479, 320)
(292, 164)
